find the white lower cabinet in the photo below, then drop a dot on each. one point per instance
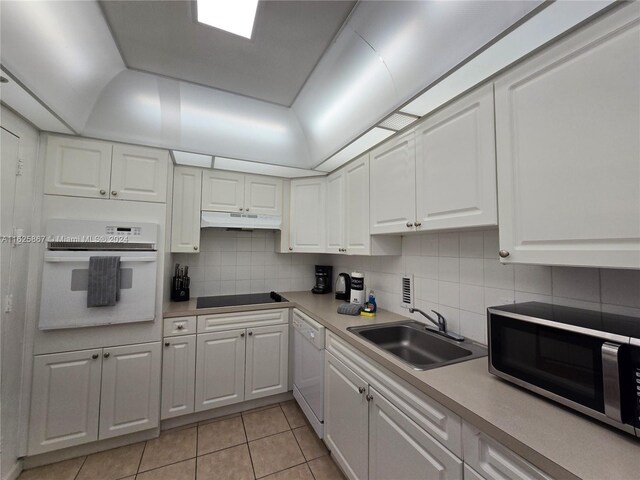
(84, 396)
(346, 418)
(493, 461)
(220, 369)
(267, 359)
(415, 454)
(129, 400)
(372, 438)
(65, 400)
(178, 376)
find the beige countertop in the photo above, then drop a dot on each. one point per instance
(559, 441)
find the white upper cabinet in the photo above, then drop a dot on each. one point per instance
(78, 167)
(263, 195)
(90, 168)
(130, 396)
(185, 217)
(222, 191)
(307, 225)
(336, 212)
(139, 173)
(393, 186)
(347, 213)
(568, 149)
(456, 165)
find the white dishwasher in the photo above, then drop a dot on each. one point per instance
(308, 368)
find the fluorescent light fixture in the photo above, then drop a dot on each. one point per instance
(355, 148)
(554, 20)
(397, 121)
(233, 164)
(235, 16)
(192, 159)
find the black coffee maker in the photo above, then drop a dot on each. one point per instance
(324, 279)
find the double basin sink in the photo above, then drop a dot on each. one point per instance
(414, 344)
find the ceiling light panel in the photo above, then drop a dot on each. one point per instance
(192, 159)
(235, 16)
(245, 166)
(354, 149)
(397, 121)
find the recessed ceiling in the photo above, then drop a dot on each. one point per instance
(289, 37)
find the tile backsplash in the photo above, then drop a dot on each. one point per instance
(234, 262)
(460, 275)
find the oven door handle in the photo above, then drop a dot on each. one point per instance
(86, 259)
(611, 381)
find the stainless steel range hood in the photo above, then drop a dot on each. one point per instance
(243, 221)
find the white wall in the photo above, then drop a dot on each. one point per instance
(233, 262)
(460, 275)
(13, 323)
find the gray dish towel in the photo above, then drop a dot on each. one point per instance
(103, 285)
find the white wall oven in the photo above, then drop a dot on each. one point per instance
(71, 282)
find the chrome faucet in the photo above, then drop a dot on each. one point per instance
(441, 323)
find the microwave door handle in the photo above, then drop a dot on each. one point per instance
(611, 381)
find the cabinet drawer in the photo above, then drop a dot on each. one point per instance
(437, 420)
(494, 461)
(179, 326)
(225, 321)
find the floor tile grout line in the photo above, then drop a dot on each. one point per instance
(141, 457)
(311, 470)
(283, 470)
(244, 428)
(81, 465)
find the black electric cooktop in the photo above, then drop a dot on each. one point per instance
(235, 300)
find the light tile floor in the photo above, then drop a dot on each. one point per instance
(271, 443)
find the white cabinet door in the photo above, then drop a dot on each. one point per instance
(185, 213)
(356, 209)
(335, 211)
(139, 173)
(267, 357)
(263, 195)
(219, 369)
(471, 474)
(222, 191)
(399, 449)
(307, 228)
(346, 418)
(567, 128)
(77, 167)
(178, 376)
(65, 400)
(130, 397)
(393, 186)
(494, 461)
(456, 165)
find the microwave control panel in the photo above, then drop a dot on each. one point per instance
(635, 365)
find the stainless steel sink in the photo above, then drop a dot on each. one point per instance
(417, 346)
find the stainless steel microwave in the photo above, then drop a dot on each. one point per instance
(583, 359)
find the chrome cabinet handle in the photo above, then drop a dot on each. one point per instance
(103, 191)
(418, 224)
(167, 344)
(369, 397)
(94, 356)
(361, 389)
(241, 209)
(180, 327)
(291, 249)
(503, 253)
(242, 334)
(114, 193)
(107, 355)
(250, 334)
(409, 224)
(195, 247)
(247, 210)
